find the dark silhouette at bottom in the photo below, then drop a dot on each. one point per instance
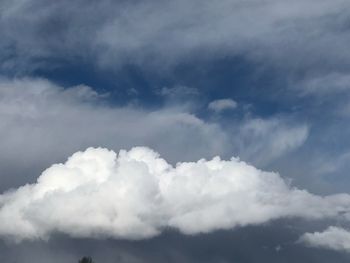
(86, 260)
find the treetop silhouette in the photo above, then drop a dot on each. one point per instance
(86, 260)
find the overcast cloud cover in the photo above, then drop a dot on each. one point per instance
(174, 131)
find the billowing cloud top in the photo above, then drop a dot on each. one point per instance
(136, 194)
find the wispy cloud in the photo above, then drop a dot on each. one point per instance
(42, 123)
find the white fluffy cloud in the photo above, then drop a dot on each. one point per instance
(136, 194)
(335, 238)
(222, 104)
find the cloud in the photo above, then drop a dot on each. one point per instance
(263, 140)
(332, 83)
(42, 123)
(222, 105)
(109, 33)
(174, 247)
(326, 92)
(178, 91)
(335, 238)
(136, 194)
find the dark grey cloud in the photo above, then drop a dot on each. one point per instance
(301, 34)
(274, 242)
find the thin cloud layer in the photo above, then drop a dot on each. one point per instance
(42, 123)
(264, 140)
(119, 32)
(136, 194)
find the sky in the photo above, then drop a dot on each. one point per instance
(175, 131)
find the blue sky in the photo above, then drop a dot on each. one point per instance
(263, 81)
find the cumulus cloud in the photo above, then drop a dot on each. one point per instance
(222, 104)
(136, 194)
(335, 238)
